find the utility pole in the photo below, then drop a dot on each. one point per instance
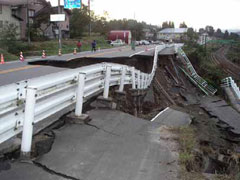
(59, 28)
(28, 22)
(89, 9)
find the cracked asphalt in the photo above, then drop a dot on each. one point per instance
(114, 145)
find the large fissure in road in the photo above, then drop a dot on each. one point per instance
(217, 147)
(142, 63)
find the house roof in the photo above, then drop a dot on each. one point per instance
(13, 2)
(22, 2)
(174, 31)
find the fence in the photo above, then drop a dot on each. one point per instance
(24, 104)
(229, 82)
(194, 77)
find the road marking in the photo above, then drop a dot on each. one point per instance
(141, 52)
(19, 69)
(159, 114)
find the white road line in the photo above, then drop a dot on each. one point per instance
(140, 52)
(159, 114)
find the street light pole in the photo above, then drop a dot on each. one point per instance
(59, 28)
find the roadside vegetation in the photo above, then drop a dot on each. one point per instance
(200, 56)
(11, 47)
(233, 53)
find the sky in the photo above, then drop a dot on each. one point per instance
(222, 14)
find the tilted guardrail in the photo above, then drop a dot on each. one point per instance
(26, 103)
(191, 72)
(229, 82)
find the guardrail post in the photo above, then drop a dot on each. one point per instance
(122, 81)
(80, 94)
(142, 80)
(28, 123)
(107, 82)
(133, 78)
(138, 80)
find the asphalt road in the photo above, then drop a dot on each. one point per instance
(12, 72)
(113, 146)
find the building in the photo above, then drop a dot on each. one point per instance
(148, 34)
(124, 35)
(20, 12)
(174, 34)
(7, 17)
(50, 29)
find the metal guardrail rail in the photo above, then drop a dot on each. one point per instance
(202, 83)
(26, 103)
(229, 82)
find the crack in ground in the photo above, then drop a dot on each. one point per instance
(108, 132)
(45, 168)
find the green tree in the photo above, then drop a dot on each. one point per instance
(79, 22)
(226, 34)
(192, 35)
(9, 39)
(210, 30)
(218, 33)
(183, 25)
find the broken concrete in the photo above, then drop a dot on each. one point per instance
(217, 107)
(114, 145)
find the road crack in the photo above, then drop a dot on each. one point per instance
(108, 132)
(45, 168)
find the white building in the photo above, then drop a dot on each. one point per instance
(171, 33)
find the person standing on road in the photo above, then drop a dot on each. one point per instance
(94, 44)
(79, 46)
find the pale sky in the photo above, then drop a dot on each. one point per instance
(222, 14)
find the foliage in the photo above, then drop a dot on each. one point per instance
(234, 53)
(79, 22)
(192, 35)
(183, 25)
(9, 39)
(169, 24)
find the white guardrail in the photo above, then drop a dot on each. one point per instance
(26, 103)
(229, 82)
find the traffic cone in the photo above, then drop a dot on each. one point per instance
(75, 51)
(21, 57)
(59, 52)
(43, 54)
(2, 59)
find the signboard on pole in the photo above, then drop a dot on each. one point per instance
(71, 4)
(57, 17)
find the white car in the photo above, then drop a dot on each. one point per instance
(144, 42)
(117, 42)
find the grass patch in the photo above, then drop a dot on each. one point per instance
(8, 56)
(51, 47)
(187, 142)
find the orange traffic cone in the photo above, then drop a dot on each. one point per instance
(59, 52)
(43, 54)
(21, 57)
(2, 59)
(75, 51)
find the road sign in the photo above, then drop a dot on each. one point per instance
(57, 17)
(71, 4)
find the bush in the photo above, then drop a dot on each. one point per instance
(9, 41)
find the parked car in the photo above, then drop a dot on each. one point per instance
(137, 43)
(117, 42)
(144, 42)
